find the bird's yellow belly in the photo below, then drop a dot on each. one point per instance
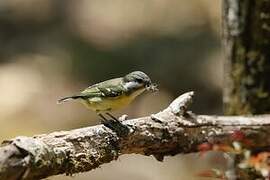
(110, 103)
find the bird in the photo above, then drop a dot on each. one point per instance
(113, 94)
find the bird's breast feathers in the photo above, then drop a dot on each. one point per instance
(111, 103)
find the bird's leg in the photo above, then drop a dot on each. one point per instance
(115, 125)
(103, 119)
(111, 116)
(106, 122)
(121, 118)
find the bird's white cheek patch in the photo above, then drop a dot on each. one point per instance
(131, 85)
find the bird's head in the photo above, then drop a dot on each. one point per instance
(138, 80)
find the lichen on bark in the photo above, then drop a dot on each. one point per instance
(247, 86)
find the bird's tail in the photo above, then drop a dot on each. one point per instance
(65, 99)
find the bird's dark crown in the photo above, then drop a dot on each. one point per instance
(139, 77)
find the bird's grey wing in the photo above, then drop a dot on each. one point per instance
(91, 92)
(111, 91)
(110, 88)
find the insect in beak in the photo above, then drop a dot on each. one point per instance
(152, 87)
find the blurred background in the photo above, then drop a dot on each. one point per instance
(50, 49)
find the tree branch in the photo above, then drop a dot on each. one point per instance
(170, 132)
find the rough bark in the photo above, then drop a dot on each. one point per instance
(246, 25)
(170, 132)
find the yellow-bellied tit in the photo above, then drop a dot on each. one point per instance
(113, 94)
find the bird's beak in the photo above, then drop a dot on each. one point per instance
(152, 87)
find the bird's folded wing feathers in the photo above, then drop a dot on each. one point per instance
(110, 88)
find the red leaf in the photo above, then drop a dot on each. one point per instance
(238, 135)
